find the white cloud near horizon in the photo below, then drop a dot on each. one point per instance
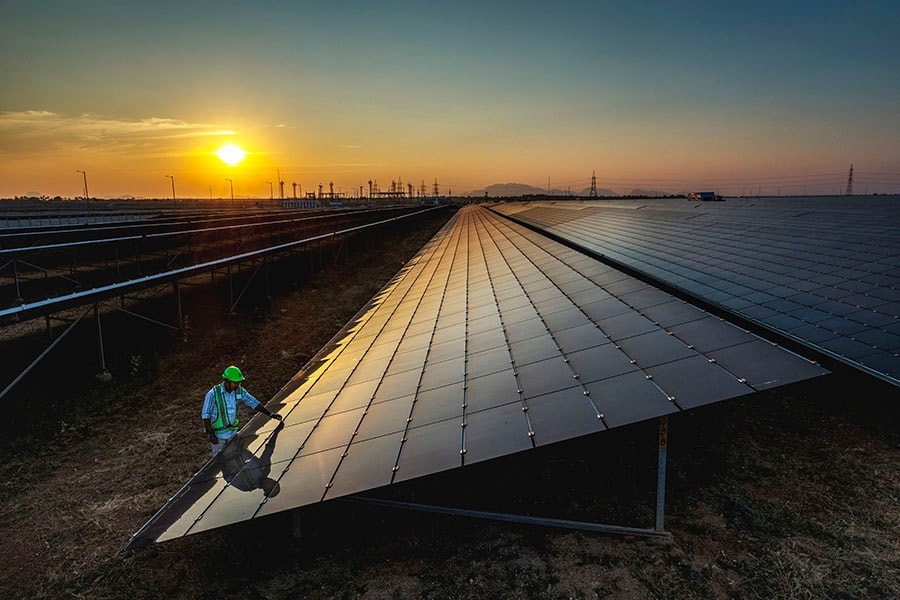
(24, 132)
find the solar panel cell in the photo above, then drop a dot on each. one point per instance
(533, 350)
(756, 361)
(525, 330)
(537, 379)
(434, 400)
(368, 465)
(198, 496)
(384, 418)
(496, 432)
(600, 362)
(302, 481)
(563, 415)
(695, 381)
(655, 348)
(629, 398)
(430, 449)
(334, 430)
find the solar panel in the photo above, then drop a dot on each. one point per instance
(822, 271)
(493, 340)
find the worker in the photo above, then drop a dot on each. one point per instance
(220, 408)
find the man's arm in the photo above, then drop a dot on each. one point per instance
(207, 426)
(256, 405)
(206, 415)
(262, 409)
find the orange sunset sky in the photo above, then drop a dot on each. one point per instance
(737, 97)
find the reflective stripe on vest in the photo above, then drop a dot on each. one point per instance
(222, 423)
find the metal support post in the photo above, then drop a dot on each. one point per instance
(178, 313)
(104, 374)
(661, 471)
(230, 290)
(512, 518)
(16, 278)
(46, 351)
(296, 524)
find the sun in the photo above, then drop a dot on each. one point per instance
(231, 154)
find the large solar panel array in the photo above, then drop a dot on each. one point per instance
(822, 271)
(493, 340)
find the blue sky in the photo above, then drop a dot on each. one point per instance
(655, 94)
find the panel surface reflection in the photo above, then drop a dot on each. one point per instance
(493, 340)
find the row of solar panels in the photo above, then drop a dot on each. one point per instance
(822, 271)
(493, 340)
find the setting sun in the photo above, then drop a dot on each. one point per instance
(231, 154)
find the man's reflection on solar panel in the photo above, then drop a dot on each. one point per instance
(245, 471)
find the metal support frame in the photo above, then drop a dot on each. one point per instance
(103, 370)
(231, 302)
(266, 272)
(138, 316)
(182, 278)
(662, 456)
(16, 278)
(179, 314)
(47, 272)
(41, 356)
(235, 301)
(137, 257)
(511, 518)
(657, 532)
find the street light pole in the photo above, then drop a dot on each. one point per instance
(231, 183)
(173, 187)
(84, 175)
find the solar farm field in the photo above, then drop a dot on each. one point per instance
(789, 493)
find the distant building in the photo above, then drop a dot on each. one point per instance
(300, 204)
(703, 196)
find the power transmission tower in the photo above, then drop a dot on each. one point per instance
(593, 193)
(436, 189)
(850, 182)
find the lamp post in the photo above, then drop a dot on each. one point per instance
(231, 183)
(173, 187)
(84, 175)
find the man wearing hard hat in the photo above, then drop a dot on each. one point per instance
(220, 408)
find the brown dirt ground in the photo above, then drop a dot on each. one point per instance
(789, 494)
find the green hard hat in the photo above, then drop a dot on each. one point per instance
(232, 373)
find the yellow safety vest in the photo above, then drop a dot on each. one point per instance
(222, 423)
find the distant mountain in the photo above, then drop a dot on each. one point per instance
(506, 190)
(512, 190)
(651, 193)
(601, 192)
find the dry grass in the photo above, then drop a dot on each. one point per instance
(790, 494)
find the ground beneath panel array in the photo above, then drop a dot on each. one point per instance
(493, 340)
